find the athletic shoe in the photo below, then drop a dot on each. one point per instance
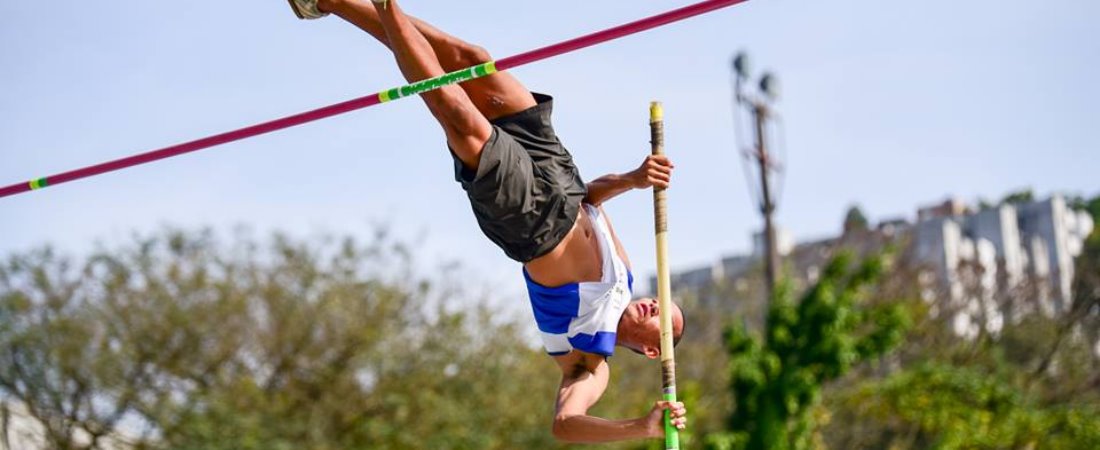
(306, 9)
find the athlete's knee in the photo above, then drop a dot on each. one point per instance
(468, 122)
(477, 55)
(470, 55)
(455, 112)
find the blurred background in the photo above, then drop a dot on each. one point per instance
(931, 180)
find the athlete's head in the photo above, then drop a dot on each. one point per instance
(640, 327)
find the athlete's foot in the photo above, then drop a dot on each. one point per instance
(307, 9)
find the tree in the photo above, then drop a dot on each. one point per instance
(1019, 197)
(855, 220)
(326, 344)
(944, 407)
(778, 380)
(1035, 384)
(54, 356)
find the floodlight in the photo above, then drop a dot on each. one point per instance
(741, 65)
(769, 85)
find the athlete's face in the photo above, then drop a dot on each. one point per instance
(640, 326)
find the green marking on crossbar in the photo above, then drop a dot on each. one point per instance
(488, 68)
(431, 84)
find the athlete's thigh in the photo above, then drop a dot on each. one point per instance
(498, 95)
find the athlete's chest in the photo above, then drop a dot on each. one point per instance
(587, 256)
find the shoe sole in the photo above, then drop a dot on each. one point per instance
(294, 8)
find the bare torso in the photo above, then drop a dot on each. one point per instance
(577, 257)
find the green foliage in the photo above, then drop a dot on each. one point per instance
(287, 345)
(1019, 197)
(936, 406)
(778, 380)
(1030, 386)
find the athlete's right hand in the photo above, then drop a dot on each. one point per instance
(655, 171)
(655, 420)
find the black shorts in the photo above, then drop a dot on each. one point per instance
(527, 191)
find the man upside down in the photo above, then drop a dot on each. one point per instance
(529, 199)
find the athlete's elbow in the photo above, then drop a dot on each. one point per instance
(561, 430)
(558, 430)
(594, 199)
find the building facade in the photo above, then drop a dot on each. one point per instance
(971, 260)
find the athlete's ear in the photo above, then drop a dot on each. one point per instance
(651, 352)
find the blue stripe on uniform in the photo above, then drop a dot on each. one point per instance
(554, 307)
(603, 343)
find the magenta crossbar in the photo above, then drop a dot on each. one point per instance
(369, 100)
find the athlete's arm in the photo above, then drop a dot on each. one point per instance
(580, 389)
(654, 171)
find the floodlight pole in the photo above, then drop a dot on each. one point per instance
(767, 206)
(758, 106)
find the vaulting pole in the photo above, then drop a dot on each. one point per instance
(664, 292)
(419, 87)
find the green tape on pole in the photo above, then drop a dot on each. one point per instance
(672, 435)
(38, 183)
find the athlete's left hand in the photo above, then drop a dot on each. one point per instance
(655, 420)
(655, 171)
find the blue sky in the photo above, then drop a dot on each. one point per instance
(887, 104)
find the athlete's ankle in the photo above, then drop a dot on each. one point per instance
(329, 6)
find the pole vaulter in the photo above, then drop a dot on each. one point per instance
(419, 87)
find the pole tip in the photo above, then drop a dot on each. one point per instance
(656, 112)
